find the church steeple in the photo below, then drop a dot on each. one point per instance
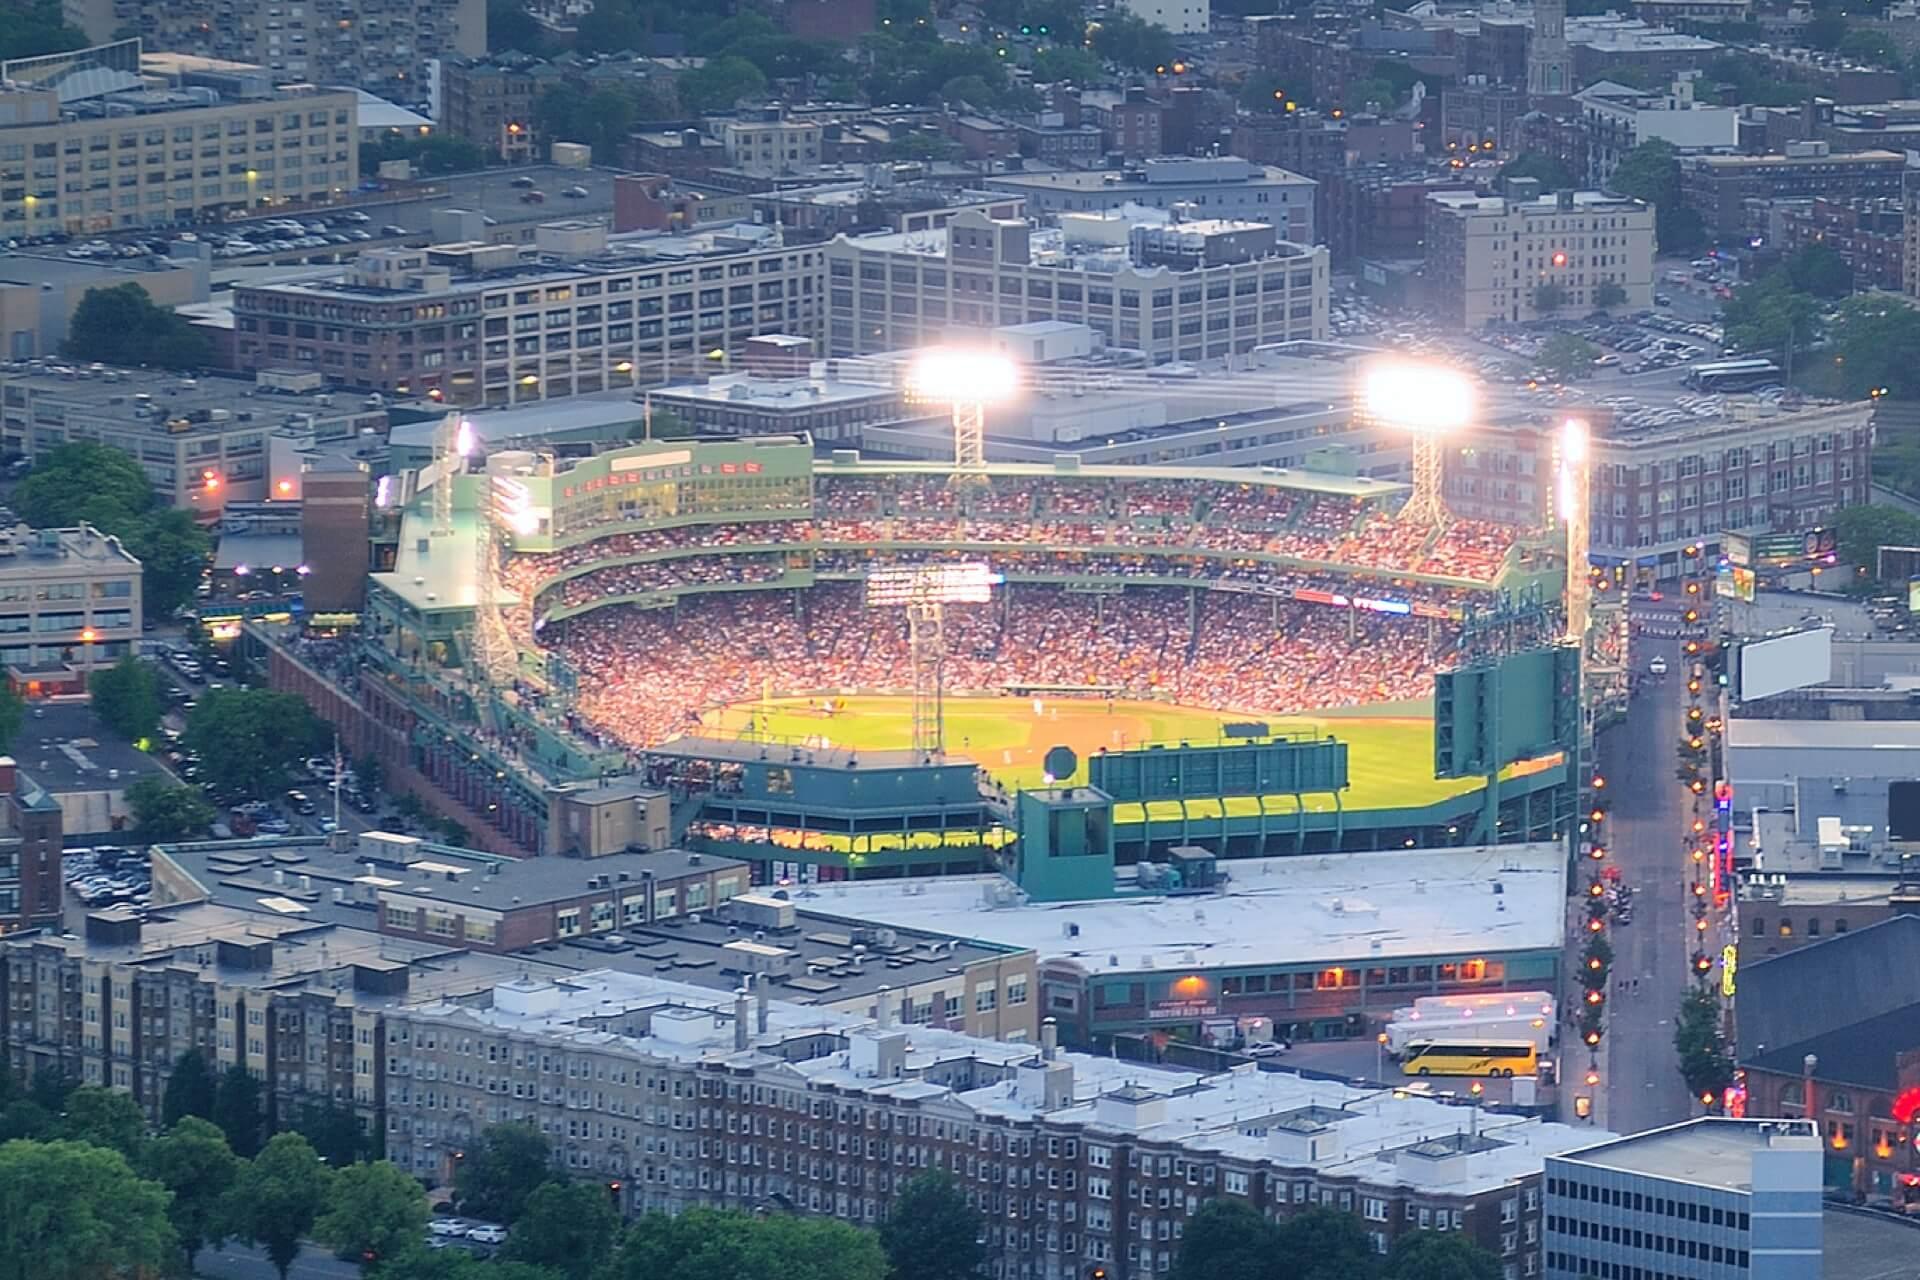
(1548, 68)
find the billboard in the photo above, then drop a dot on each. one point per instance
(1737, 548)
(1791, 548)
(1763, 668)
(1736, 582)
(969, 583)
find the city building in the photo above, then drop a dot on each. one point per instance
(1851, 1069)
(1130, 122)
(1284, 938)
(1180, 17)
(105, 139)
(336, 498)
(1549, 75)
(1868, 232)
(1662, 487)
(1479, 110)
(39, 291)
(489, 101)
(1050, 139)
(767, 144)
(1524, 255)
(1615, 119)
(387, 50)
(1216, 187)
(1708, 1197)
(301, 1005)
(889, 292)
(69, 603)
(203, 441)
(746, 1102)
(484, 324)
(1607, 44)
(32, 893)
(811, 403)
(1723, 189)
(1379, 211)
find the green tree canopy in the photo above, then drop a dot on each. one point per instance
(374, 1212)
(1068, 64)
(127, 696)
(568, 1227)
(335, 1133)
(1549, 297)
(37, 27)
(121, 325)
(193, 1161)
(1326, 1244)
(13, 710)
(246, 738)
(1705, 1063)
(1651, 172)
(500, 1171)
(1227, 1238)
(106, 1118)
(1863, 530)
(172, 550)
(1609, 293)
(1769, 314)
(721, 84)
(432, 154)
(457, 1264)
(190, 1089)
(1121, 38)
(25, 1118)
(932, 1233)
(510, 28)
(74, 1211)
(281, 1194)
(164, 811)
(1818, 269)
(237, 1111)
(1866, 44)
(1433, 1255)
(1538, 164)
(1567, 356)
(1876, 338)
(711, 1244)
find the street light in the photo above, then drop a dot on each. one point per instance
(969, 379)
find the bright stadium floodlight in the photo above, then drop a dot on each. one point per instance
(924, 591)
(1427, 401)
(1575, 447)
(969, 379)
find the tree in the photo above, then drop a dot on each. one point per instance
(38, 27)
(163, 811)
(1705, 1063)
(190, 1090)
(1567, 356)
(1227, 1238)
(511, 29)
(1865, 44)
(193, 1161)
(1825, 31)
(932, 1233)
(121, 325)
(720, 84)
(246, 738)
(172, 551)
(1876, 343)
(1770, 315)
(458, 1264)
(13, 710)
(236, 1110)
(501, 1170)
(431, 155)
(1818, 269)
(709, 1244)
(1609, 293)
(67, 479)
(1059, 64)
(51, 1087)
(374, 1211)
(1326, 1244)
(1553, 175)
(1549, 297)
(335, 1133)
(1136, 45)
(1434, 1255)
(127, 696)
(1863, 530)
(106, 1118)
(25, 1118)
(73, 1211)
(279, 1197)
(570, 1227)
(1651, 172)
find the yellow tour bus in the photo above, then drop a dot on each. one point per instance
(1471, 1058)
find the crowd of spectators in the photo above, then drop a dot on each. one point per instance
(647, 675)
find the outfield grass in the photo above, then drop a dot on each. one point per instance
(1389, 749)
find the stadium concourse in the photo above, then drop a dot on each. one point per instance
(1205, 593)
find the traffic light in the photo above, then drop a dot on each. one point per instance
(1583, 1106)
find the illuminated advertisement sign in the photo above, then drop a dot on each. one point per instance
(970, 583)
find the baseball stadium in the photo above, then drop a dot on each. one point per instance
(697, 610)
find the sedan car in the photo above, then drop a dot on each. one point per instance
(447, 1227)
(487, 1234)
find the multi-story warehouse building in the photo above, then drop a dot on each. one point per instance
(489, 101)
(766, 143)
(69, 603)
(484, 324)
(1659, 489)
(90, 144)
(385, 48)
(1216, 187)
(302, 1006)
(1721, 188)
(898, 290)
(1076, 1162)
(1707, 1198)
(1523, 255)
(203, 442)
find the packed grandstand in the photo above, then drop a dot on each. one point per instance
(1228, 593)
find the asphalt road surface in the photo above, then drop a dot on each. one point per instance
(243, 1262)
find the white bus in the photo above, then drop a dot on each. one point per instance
(1538, 1028)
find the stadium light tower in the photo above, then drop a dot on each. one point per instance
(924, 591)
(969, 379)
(1572, 500)
(453, 444)
(1427, 401)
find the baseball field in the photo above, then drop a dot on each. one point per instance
(1390, 746)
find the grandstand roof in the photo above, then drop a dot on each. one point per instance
(848, 462)
(1324, 909)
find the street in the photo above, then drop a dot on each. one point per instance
(1641, 1086)
(234, 1261)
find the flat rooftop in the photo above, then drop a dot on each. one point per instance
(146, 400)
(81, 763)
(847, 462)
(37, 269)
(1242, 174)
(1709, 1151)
(816, 391)
(1363, 907)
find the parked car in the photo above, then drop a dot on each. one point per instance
(487, 1233)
